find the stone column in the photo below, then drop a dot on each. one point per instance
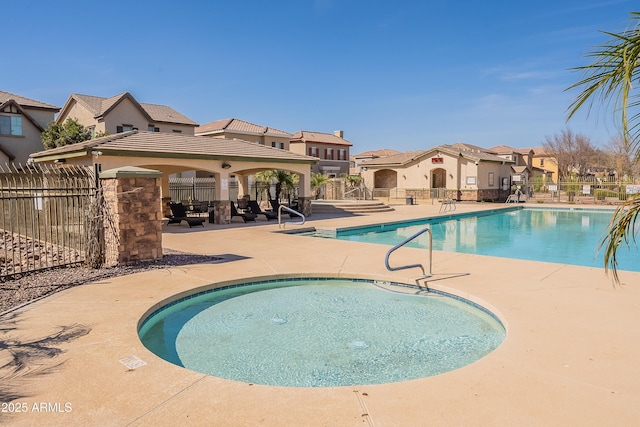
(222, 211)
(133, 219)
(304, 205)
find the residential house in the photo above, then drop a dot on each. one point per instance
(122, 113)
(542, 159)
(527, 170)
(22, 121)
(522, 175)
(461, 171)
(246, 131)
(332, 150)
(356, 159)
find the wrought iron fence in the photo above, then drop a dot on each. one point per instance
(189, 189)
(44, 216)
(416, 193)
(591, 189)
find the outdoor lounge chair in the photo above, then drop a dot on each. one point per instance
(244, 216)
(276, 206)
(255, 209)
(179, 214)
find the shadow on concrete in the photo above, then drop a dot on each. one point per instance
(26, 359)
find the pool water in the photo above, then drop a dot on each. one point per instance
(553, 235)
(319, 333)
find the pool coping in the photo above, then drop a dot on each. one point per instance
(583, 372)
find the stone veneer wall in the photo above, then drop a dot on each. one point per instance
(133, 199)
(485, 195)
(221, 211)
(304, 205)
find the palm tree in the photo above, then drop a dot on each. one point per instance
(610, 79)
(318, 180)
(284, 180)
(352, 180)
(262, 181)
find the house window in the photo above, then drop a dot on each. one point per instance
(313, 152)
(177, 131)
(541, 162)
(124, 128)
(342, 154)
(328, 153)
(152, 128)
(11, 125)
(279, 145)
(491, 179)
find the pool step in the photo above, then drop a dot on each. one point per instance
(339, 207)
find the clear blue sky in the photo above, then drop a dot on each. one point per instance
(395, 74)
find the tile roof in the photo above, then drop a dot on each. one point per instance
(26, 102)
(519, 169)
(505, 149)
(238, 126)
(540, 151)
(325, 138)
(525, 150)
(396, 159)
(501, 149)
(472, 152)
(164, 144)
(384, 152)
(466, 147)
(453, 150)
(99, 106)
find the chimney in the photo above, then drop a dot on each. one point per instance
(339, 133)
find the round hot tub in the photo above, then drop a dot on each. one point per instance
(321, 332)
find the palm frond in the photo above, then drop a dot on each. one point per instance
(609, 78)
(622, 229)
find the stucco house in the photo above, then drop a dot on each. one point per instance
(527, 170)
(246, 131)
(543, 160)
(357, 159)
(331, 149)
(463, 171)
(22, 120)
(122, 113)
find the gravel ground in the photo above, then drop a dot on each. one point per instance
(19, 291)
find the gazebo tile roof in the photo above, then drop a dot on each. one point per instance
(178, 145)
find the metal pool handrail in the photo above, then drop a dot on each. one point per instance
(358, 189)
(293, 211)
(424, 230)
(447, 204)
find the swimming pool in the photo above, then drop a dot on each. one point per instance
(566, 236)
(319, 332)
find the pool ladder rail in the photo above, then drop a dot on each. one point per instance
(404, 267)
(293, 211)
(447, 205)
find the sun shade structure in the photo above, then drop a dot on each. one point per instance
(172, 153)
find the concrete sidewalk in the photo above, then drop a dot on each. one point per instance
(570, 356)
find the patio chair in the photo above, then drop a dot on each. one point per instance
(179, 214)
(255, 209)
(244, 216)
(276, 206)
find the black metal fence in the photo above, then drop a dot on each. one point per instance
(191, 189)
(588, 189)
(44, 216)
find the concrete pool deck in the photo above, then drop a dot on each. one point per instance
(571, 356)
